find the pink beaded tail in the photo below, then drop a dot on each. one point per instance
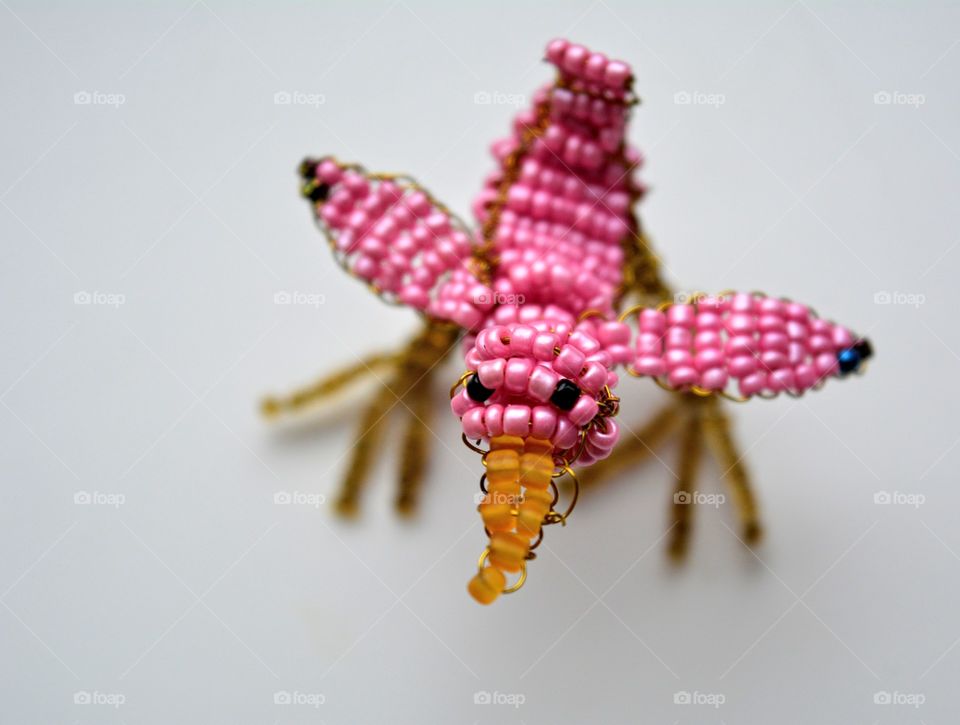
(393, 235)
(557, 209)
(767, 345)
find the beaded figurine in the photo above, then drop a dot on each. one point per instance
(554, 292)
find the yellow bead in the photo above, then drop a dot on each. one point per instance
(535, 506)
(508, 551)
(487, 585)
(497, 516)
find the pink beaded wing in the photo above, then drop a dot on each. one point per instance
(538, 291)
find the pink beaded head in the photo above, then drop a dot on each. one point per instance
(538, 290)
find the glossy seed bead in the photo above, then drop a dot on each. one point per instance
(508, 551)
(487, 585)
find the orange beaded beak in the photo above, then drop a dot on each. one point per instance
(518, 502)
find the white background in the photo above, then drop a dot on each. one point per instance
(198, 598)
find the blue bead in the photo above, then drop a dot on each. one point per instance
(849, 360)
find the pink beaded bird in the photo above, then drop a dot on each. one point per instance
(554, 292)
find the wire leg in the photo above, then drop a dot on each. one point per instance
(720, 439)
(272, 407)
(413, 456)
(691, 449)
(365, 450)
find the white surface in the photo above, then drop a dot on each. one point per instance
(199, 598)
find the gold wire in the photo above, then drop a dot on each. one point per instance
(513, 587)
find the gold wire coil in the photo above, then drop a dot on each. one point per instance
(513, 587)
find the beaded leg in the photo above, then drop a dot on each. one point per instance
(720, 440)
(690, 455)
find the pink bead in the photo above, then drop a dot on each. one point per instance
(771, 323)
(743, 302)
(491, 372)
(681, 316)
(516, 420)
(742, 366)
(796, 330)
(820, 344)
(543, 422)
(651, 365)
(708, 340)
(753, 384)
(583, 411)
(616, 74)
(328, 172)
(473, 425)
(678, 358)
(569, 362)
(678, 338)
(517, 374)
(574, 59)
(613, 333)
(556, 49)
(595, 67)
(780, 380)
(842, 337)
(594, 378)
(414, 296)
(709, 358)
(826, 364)
(805, 376)
(774, 341)
(773, 360)
(741, 345)
(652, 321)
(541, 383)
(493, 419)
(543, 346)
(461, 403)
(584, 342)
(521, 340)
(708, 321)
(797, 312)
(490, 342)
(714, 379)
(740, 323)
(605, 439)
(683, 376)
(566, 434)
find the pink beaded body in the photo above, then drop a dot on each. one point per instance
(546, 311)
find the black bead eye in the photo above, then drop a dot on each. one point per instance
(316, 190)
(864, 348)
(565, 395)
(476, 390)
(308, 170)
(849, 360)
